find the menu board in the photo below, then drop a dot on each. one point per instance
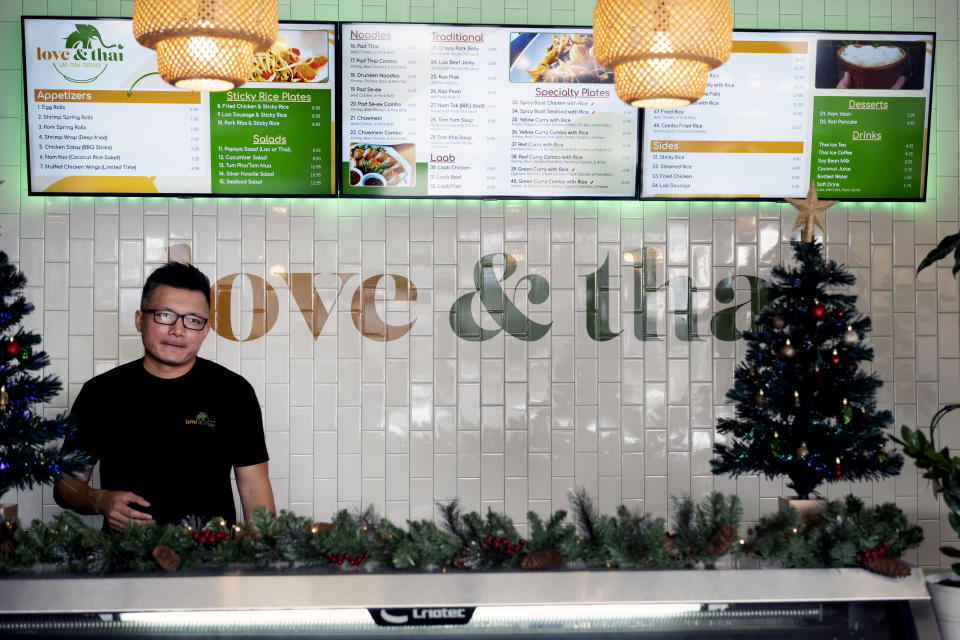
(481, 111)
(101, 120)
(848, 112)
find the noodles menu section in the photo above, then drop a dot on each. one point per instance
(100, 119)
(470, 111)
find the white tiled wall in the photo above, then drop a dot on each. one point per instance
(505, 424)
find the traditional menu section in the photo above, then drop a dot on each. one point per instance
(848, 112)
(100, 119)
(471, 111)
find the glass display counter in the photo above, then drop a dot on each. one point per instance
(763, 603)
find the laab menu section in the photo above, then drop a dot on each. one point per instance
(101, 120)
(845, 112)
(450, 110)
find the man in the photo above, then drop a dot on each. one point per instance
(167, 428)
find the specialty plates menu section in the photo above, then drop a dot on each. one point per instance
(847, 112)
(100, 119)
(472, 111)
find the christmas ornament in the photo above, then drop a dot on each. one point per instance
(818, 310)
(802, 451)
(851, 337)
(854, 366)
(4, 398)
(778, 322)
(811, 212)
(796, 398)
(846, 412)
(167, 558)
(775, 444)
(788, 350)
(25, 353)
(839, 470)
(12, 348)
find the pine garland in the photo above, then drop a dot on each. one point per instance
(847, 533)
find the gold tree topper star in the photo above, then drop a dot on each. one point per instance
(811, 212)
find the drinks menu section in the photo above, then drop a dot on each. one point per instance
(458, 111)
(101, 120)
(847, 112)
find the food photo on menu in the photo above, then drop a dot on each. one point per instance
(376, 165)
(861, 64)
(555, 58)
(296, 56)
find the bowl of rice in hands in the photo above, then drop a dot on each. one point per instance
(871, 67)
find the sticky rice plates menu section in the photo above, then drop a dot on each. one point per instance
(481, 111)
(848, 112)
(101, 120)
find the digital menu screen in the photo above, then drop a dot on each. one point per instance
(849, 112)
(101, 120)
(481, 111)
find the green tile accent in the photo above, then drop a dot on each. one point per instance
(744, 6)
(10, 45)
(126, 8)
(83, 7)
(949, 155)
(538, 12)
(768, 15)
(58, 8)
(746, 21)
(108, 8)
(924, 24)
(835, 22)
(301, 10)
(398, 12)
(813, 14)
(583, 12)
(791, 21)
(946, 101)
(11, 98)
(445, 12)
(880, 23)
(468, 15)
(902, 16)
(880, 8)
(788, 7)
(491, 12)
(515, 16)
(375, 14)
(283, 12)
(350, 10)
(421, 14)
(857, 15)
(563, 16)
(10, 10)
(947, 19)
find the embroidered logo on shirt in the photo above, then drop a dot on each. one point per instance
(202, 420)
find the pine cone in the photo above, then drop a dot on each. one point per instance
(7, 547)
(167, 558)
(668, 539)
(721, 540)
(889, 567)
(460, 562)
(540, 560)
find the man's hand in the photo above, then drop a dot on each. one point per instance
(115, 508)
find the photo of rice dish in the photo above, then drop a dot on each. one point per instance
(377, 166)
(569, 59)
(285, 63)
(870, 56)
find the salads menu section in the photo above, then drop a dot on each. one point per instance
(101, 120)
(846, 112)
(472, 111)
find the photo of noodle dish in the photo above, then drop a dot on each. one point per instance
(556, 58)
(374, 165)
(284, 62)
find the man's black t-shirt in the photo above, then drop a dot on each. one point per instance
(171, 441)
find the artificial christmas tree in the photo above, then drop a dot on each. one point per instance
(29, 444)
(804, 408)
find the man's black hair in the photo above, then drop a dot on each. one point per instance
(179, 275)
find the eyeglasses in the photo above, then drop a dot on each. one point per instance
(190, 321)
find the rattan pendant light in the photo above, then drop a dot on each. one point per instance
(661, 50)
(205, 45)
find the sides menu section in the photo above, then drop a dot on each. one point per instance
(848, 113)
(470, 111)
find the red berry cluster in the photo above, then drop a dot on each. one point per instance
(502, 545)
(866, 557)
(339, 558)
(209, 537)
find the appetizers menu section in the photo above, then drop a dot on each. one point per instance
(101, 120)
(471, 111)
(848, 113)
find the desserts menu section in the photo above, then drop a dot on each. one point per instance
(101, 120)
(470, 111)
(848, 113)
